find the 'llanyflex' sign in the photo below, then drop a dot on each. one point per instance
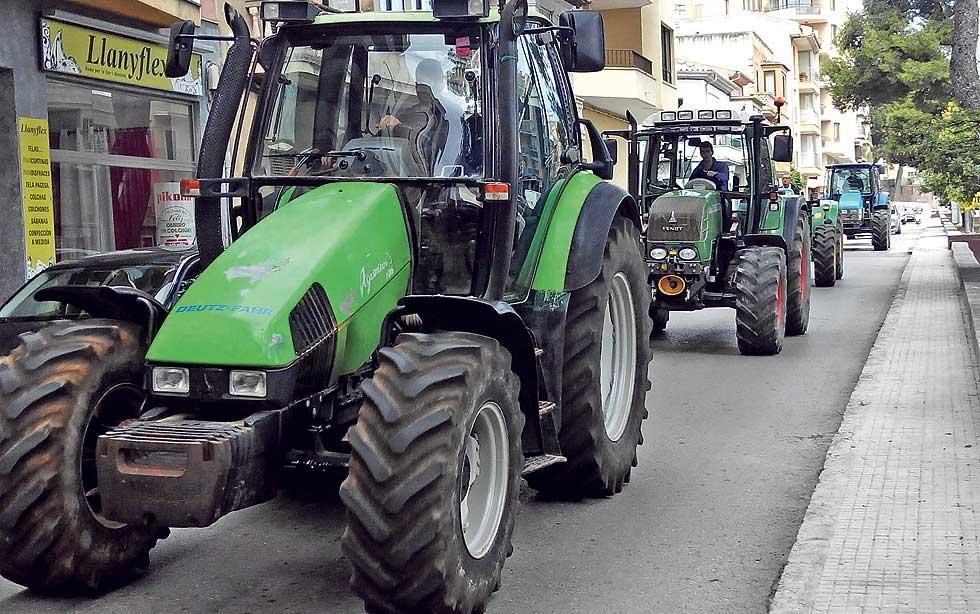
(75, 50)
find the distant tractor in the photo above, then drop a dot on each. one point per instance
(828, 243)
(865, 210)
(735, 243)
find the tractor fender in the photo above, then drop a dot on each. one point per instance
(495, 319)
(882, 201)
(604, 203)
(795, 207)
(763, 240)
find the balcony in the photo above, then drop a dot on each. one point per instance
(809, 81)
(606, 5)
(809, 122)
(627, 83)
(836, 151)
(810, 163)
(807, 11)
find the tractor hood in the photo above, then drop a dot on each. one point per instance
(851, 200)
(336, 248)
(683, 215)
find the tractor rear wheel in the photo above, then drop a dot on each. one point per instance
(881, 232)
(798, 280)
(604, 375)
(760, 300)
(840, 253)
(60, 389)
(435, 467)
(659, 316)
(825, 256)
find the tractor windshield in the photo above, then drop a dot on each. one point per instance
(378, 104)
(850, 180)
(674, 160)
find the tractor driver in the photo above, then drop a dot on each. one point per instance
(713, 170)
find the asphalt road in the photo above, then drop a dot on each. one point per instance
(733, 449)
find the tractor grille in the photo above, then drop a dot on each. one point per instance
(310, 321)
(676, 218)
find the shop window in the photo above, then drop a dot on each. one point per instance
(116, 158)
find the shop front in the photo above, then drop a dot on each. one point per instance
(121, 135)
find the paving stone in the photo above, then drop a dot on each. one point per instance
(894, 523)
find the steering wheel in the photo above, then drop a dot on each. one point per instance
(700, 184)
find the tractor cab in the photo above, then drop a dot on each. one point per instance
(863, 205)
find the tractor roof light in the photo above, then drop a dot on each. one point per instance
(685, 115)
(289, 11)
(668, 116)
(460, 9)
(706, 114)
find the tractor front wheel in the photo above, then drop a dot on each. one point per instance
(760, 300)
(798, 280)
(604, 375)
(60, 389)
(825, 244)
(881, 232)
(435, 466)
(840, 254)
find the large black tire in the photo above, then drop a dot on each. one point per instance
(798, 280)
(659, 316)
(881, 232)
(59, 389)
(825, 244)
(840, 253)
(408, 466)
(760, 300)
(598, 465)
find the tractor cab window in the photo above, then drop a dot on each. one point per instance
(382, 104)
(850, 180)
(675, 161)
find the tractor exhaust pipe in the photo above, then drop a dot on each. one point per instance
(217, 134)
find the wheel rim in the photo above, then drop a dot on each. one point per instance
(804, 272)
(486, 462)
(780, 303)
(117, 404)
(617, 357)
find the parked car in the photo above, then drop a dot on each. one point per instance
(162, 273)
(896, 220)
(907, 211)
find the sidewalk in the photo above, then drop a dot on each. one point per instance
(894, 523)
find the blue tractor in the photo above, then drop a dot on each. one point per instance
(865, 210)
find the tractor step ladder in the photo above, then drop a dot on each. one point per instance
(549, 433)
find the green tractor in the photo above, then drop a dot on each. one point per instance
(865, 210)
(405, 300)
(828, 243)
(717, 241)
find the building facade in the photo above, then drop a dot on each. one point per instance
(95, 136)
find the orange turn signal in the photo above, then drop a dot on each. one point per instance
(671, 285)
(190, 187)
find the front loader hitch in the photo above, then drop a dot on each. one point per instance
(188, 473)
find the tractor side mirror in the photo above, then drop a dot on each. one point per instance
(612, 146)
(782, 148)
(602, 162)
(180, 49)
(693, 142)
(584, 47)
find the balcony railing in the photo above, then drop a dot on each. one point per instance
(810, 159)
(627, 58)
(802, 7)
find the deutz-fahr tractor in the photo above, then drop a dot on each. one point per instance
(865, 210)
(828, 243)
(427, 286)
(716, 241)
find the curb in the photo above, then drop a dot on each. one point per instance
(968, 274)
(794, 591)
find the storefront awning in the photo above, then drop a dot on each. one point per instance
(162, 13)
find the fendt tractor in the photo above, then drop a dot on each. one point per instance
(404, 297)
(828, 243)
(709, 243)
(865, 210)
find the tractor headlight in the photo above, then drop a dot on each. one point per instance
(658, 253)
(247, 384)
(171, 380)
(688, 253)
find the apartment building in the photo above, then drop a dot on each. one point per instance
(789, 37)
